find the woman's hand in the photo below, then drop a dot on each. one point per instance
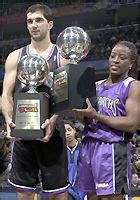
(89, 112)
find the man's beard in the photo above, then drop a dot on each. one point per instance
(38, 39)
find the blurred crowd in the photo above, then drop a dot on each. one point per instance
(8, 8)
(105, 38)
(102, 39)
(135, 147)
(4, 154)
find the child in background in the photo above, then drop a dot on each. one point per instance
(72, 151)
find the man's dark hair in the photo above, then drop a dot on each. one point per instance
(46, 11)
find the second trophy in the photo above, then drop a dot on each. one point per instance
(73, 83)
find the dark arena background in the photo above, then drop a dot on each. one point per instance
(106, 22)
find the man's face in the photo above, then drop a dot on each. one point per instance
(119, 60)
(69, 132)
(38, 26)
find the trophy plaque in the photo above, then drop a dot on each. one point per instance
(73, 83)
(30, 108)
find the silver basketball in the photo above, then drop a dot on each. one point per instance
(73, 43)
(32, 70)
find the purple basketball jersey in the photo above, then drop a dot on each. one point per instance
(111, 102)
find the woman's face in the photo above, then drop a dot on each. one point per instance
(120, 60)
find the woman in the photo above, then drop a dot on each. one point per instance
(104, 160)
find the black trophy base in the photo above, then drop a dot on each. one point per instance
(72, 85)
(29, 112)
(27, 134)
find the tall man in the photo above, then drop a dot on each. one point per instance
(49, 154)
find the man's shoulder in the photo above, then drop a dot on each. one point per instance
(17, 51)
(14, 53)
(12, 57)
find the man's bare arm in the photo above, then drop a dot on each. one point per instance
(8, 85)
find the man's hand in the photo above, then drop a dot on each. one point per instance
(49, 126)
(10, 125)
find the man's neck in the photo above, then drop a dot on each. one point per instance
(40, 46)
